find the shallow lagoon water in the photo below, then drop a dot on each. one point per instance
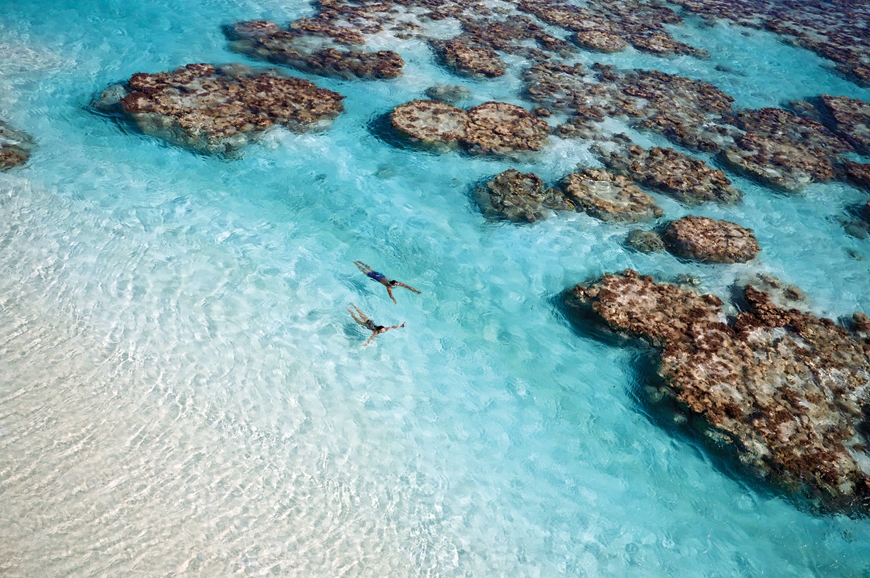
(183, 392)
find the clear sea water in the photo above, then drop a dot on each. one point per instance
(182, 392)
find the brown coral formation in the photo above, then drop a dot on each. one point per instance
(430, 122)
(641, 24)
(15, 147)
(609, 197)
(511, 35)
(468, 59)
(559, 86)
(686, 111)
(645, 241)
(219, 110)
(449, 93)
(599, 41)
(267, 41)
(782, 149)
(787, 390)
(710, 240)
(690, 181)
(849, 118)
(519, 197)
(857, 173)
(491, 128)
(836, 29)
(502, 128)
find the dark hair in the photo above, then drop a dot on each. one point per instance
(394, 282)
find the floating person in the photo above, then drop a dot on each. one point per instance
(363, 320)
(382, 279)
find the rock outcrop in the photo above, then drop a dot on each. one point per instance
(15, 147)
(786, 390)
(609, 197)
(327, 57)
(690, 181)
(430, 122)
(219, 110)
(495, 128)
(519, 197)
(781, 149)
(834, 30)
(467, 59)
(611, 23)
(449, 93)
(645, 241)
(849, 118)
(710, 240)
(857, 173)
(599, 41)
(502, 128)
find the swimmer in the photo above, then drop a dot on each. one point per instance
(382, 279)
(369, 324)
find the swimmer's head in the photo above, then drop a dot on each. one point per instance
(394, 283)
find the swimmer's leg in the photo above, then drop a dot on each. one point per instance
(363, 267)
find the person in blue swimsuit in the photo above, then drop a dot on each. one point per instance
(382, 279)
(363, 320)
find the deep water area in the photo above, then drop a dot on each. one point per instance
(183, 393)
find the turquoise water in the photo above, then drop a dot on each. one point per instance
(183, 393)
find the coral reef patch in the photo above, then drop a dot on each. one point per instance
(519, 197)
(710, 240)
(609, 197)
(326, 56)
(495, 128)
(835, 30)
(15, 147)
(219, 110)
(690, 181)
(786, 390)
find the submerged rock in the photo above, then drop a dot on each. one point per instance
(449, 93)
(787, 391)
(15, 147)
(690, 181)
(779, 292)
(645, 241)
(834, 30)
(609, 197)
(430, 122)
(857, 173)
(465, 58)
(219, 110)
(492, 128)
(710, 241)
(599, 41)
(686, 111)
(614, 24)
(558, 86)
(849, 118)
(663, 44)
(519, 197)
(502, 128)
(781, 149)
(294, 47)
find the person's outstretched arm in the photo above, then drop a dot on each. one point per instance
(400, 284)
(390, 291)
(369, 340)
